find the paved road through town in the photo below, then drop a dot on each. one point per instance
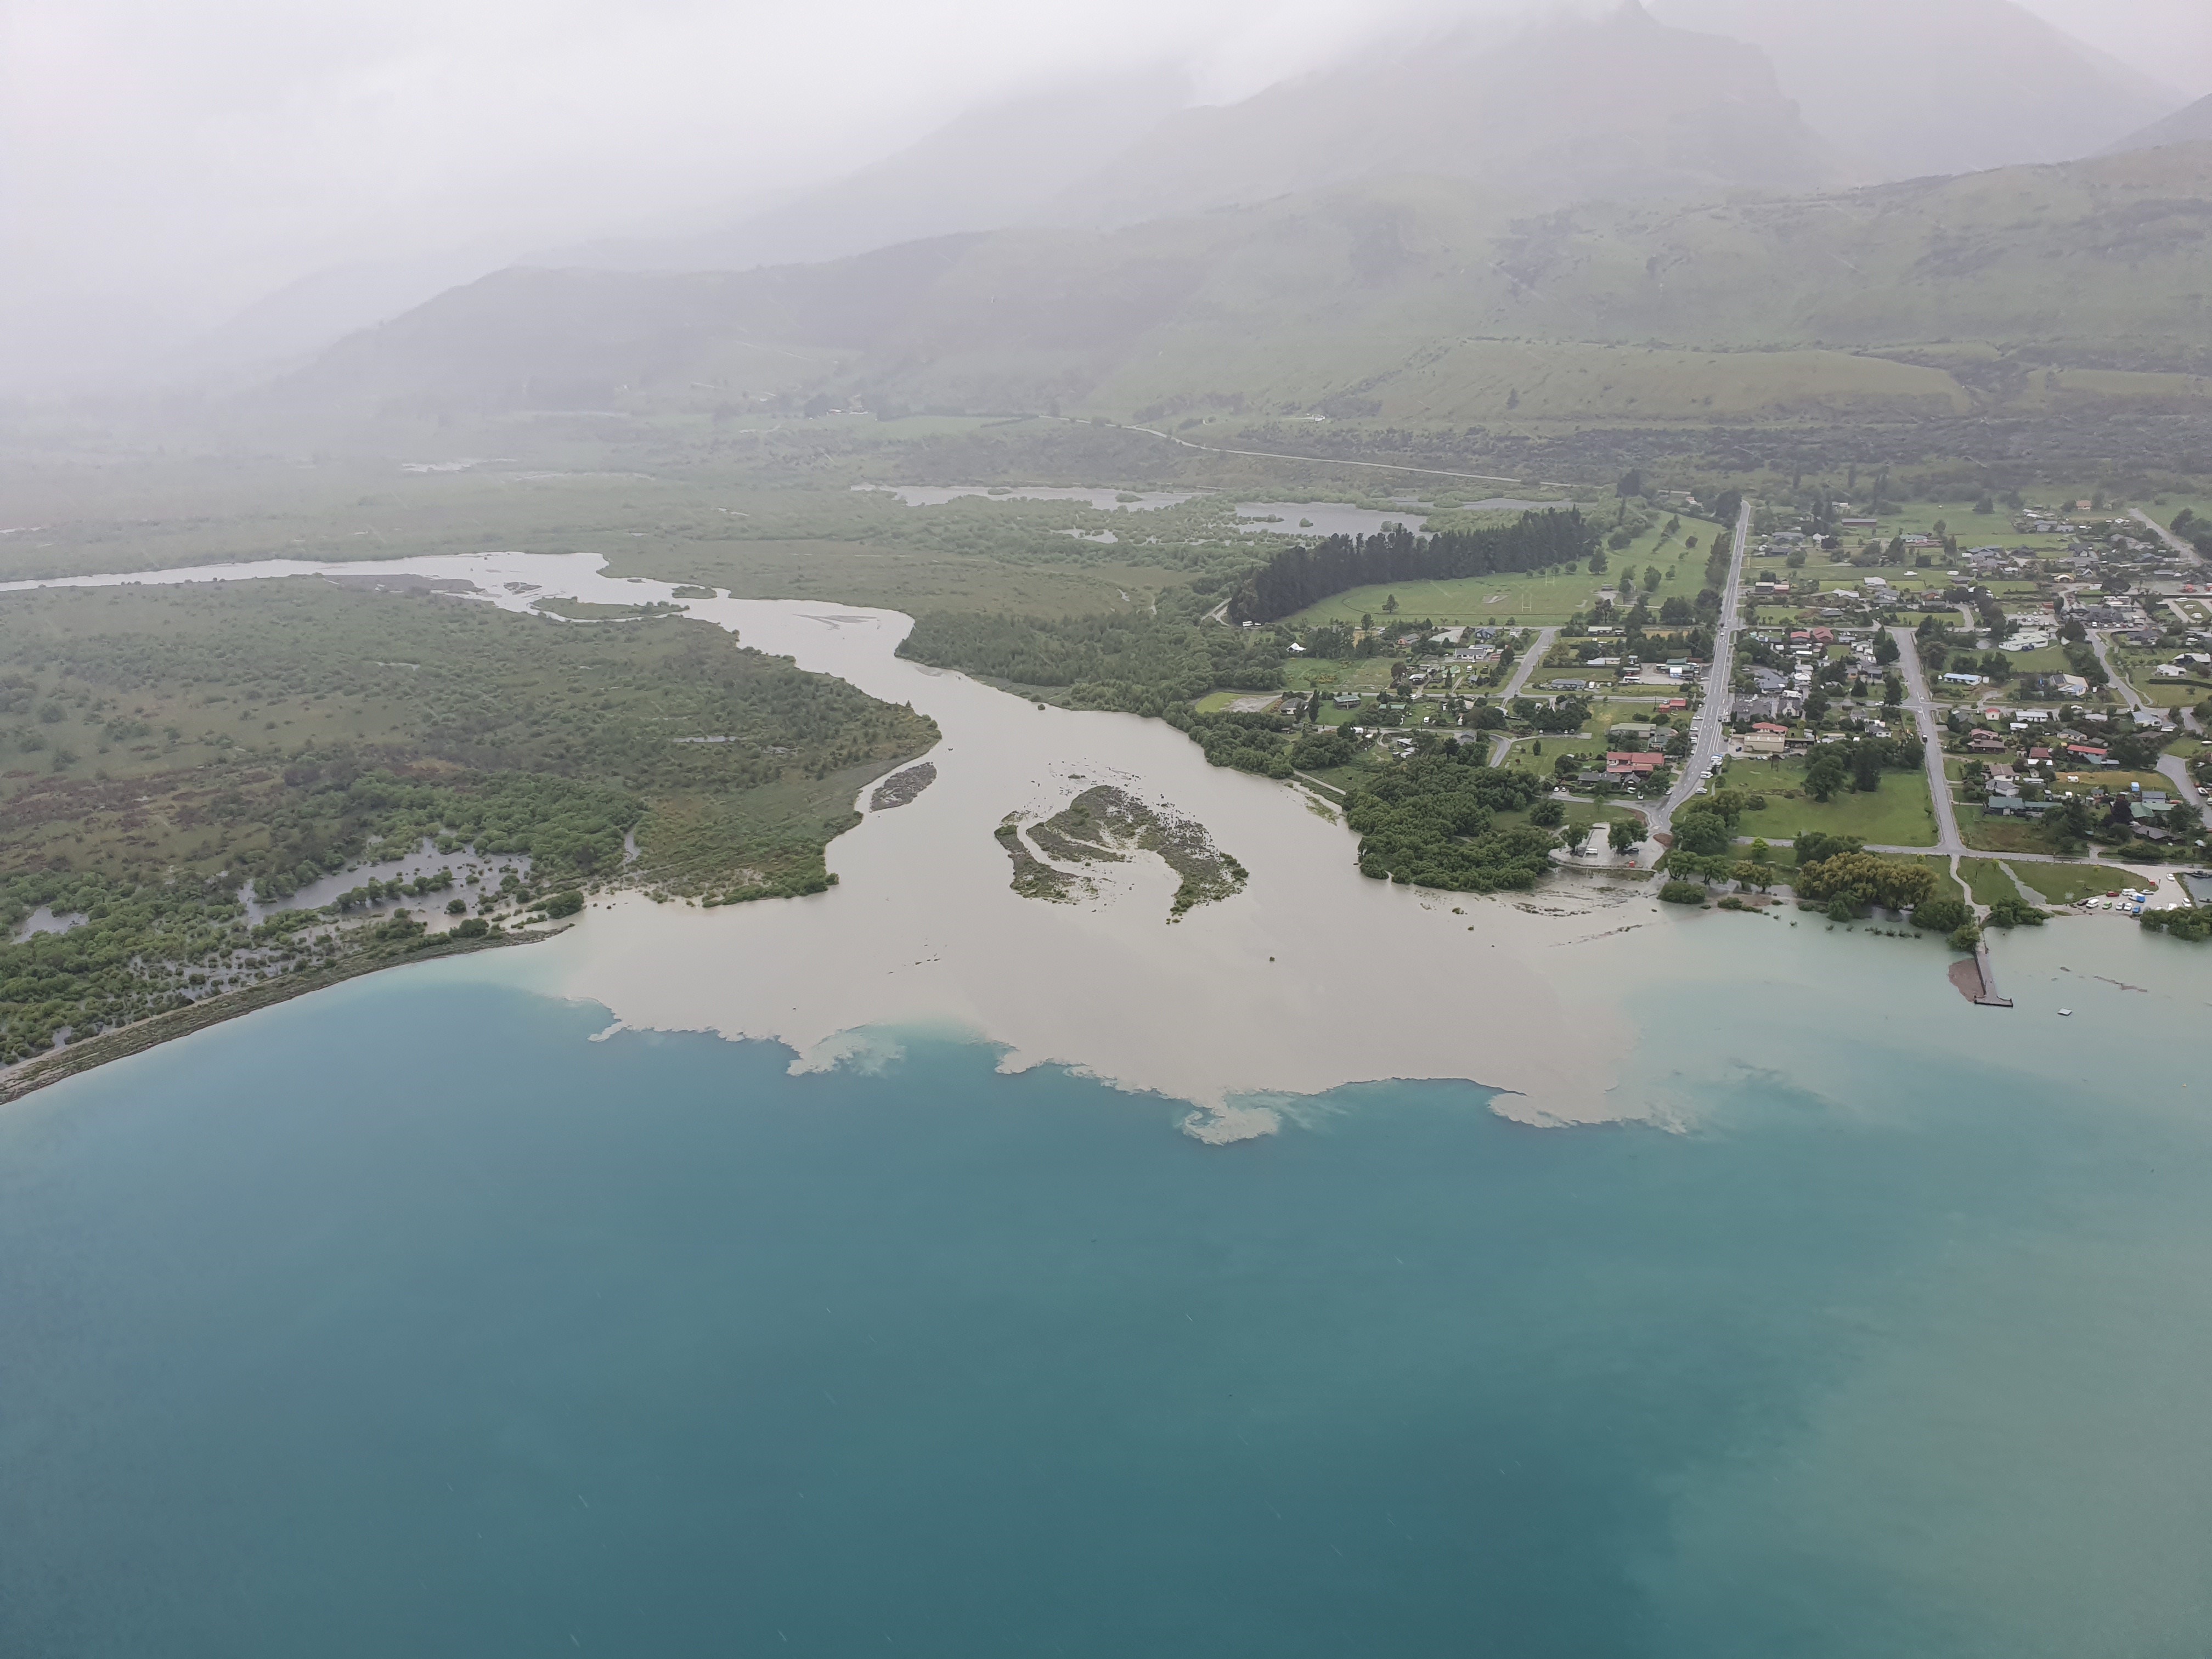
(1706, 731)
(1931, 742)
(1531, 659)
(1538, 650)
(2102, 647)
(2168, 536)
(2172, 767)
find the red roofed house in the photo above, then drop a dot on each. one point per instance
(2090, 753)
(1674, 703)
(1624, 764)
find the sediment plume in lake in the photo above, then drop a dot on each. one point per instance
(1297, 974)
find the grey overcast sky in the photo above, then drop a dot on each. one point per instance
(168, 161)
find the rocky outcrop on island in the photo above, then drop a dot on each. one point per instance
(902, 788)
(1105, 824)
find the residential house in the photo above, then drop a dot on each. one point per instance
(1756, 708)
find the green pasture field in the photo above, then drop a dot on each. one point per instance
(1533, 598)
(1996, 529)
(1897, 814)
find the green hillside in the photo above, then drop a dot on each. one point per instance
(1418, 301)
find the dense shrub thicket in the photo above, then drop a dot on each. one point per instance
(282, 732)
(1431, 820)
(1140, 661)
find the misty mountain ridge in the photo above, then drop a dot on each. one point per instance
(1914, 88)
(1620, 106)
(2191, 125)
(1002, 164)
(1556, 109)
(1413, 299)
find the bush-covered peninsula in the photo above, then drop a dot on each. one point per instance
(166, 754)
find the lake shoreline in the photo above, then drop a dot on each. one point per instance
(1310, 978)
(75, 1058)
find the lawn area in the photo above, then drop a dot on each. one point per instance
(1213, 701)
(1537, 598)
(2193, 610)
(1897, 814)
(1584, 812)
(1987, 881)
(2116, 781)
(1368, 675)
(1606, 712)
(2061, 884)
(1850, 579)
(1523, 757)
(2000, 835)
(2174, 695)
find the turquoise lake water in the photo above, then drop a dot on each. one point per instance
(402, 1320)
